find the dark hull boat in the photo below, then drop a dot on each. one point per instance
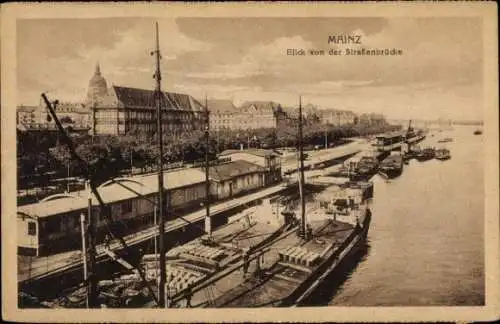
(366, 168)
(412, 153)
(391, 166)
(358, 168)
(426, 154)
(443, 154)
(478, 132)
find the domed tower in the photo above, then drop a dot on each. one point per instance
(98, 88)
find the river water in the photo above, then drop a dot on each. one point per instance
(426, 244)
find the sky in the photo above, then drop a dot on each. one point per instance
(439, 74)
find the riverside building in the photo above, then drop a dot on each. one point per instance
(121, 110)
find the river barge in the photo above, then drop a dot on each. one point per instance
(426, 154)
(391, 166)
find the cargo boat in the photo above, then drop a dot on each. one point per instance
(412, 153)
(366, 168)
(391, 166)
(388, 142)
(337, 229)
(358, 168)
(442, 154)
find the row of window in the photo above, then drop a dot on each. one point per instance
(109, 113)
(64, 223)
(170, 126)
(247, 180)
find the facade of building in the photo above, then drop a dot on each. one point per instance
(311, 115)
(260, 114)
(267, 159)
(338, 117)
(70, 114)
(27, 115)
(372, 119)
(131, 111)
(250, 115)
(223, 114)
(235, 178)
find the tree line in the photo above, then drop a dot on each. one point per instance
(42, 153)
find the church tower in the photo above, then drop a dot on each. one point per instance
(98, 88)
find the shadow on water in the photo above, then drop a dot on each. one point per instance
(334, 281)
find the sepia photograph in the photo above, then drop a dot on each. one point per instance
(193, 158)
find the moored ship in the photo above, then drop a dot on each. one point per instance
(367, 167)
(442, 154)
(414, 136)
(426, 154)
(385, 143)
(360, 167)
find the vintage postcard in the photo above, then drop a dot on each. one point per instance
(250, 162)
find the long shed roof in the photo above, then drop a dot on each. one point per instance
(234, 169)
(112, 192)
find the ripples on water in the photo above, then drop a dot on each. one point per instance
(425, 245)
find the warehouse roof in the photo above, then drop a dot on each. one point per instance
(112, 192)
(233, 169)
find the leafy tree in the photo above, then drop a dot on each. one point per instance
(66, 120)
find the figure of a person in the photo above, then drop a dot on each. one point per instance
(107, 241)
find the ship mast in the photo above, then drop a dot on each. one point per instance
(302, 230)
(161, 210)
(208, 221)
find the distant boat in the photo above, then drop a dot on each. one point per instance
(478, 132)
(445, 140)
(442, 154)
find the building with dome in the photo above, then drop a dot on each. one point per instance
(119, 110)
(98, 86)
